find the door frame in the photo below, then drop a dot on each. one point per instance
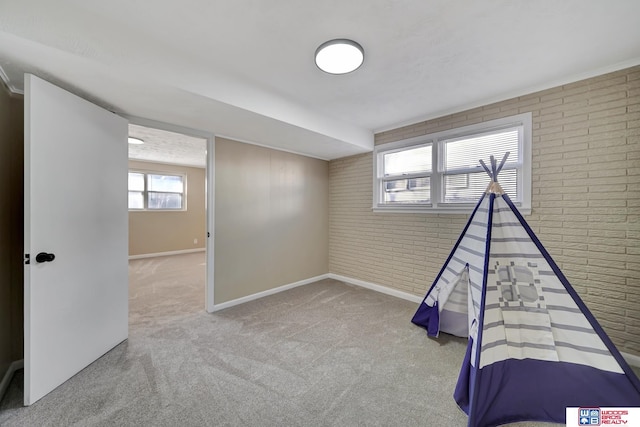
(209, 192)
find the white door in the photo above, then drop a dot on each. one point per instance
(76, 303)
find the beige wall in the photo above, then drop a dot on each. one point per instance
(11, 229)
(271, 219)
(155, 232)
(586, 201)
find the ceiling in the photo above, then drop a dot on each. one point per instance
(161, 146)
(244, 69)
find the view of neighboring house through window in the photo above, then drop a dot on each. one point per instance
(441, 171)
(464, 180)
(407, 175)
(154, 191)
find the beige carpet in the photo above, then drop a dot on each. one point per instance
(324, 354)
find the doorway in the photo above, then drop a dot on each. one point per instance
(93, 134)
(167, 221)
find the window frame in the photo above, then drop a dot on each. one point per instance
(146, 191)
(407, 176)
(522, 165)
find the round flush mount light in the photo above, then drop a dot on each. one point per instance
(339, 56)
(135, 141)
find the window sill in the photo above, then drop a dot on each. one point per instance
(157, 210)
(461, 210)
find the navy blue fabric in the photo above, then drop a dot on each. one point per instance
(428, 318)
(433, 327)
(474, 378)
(538, 390)
(462, 391)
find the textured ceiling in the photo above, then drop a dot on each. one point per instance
(244, 69)
(167, 147)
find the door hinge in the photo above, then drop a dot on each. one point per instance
(208, 234)
(27, 258)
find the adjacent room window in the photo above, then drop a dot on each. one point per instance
(441, 171)
(156, 191)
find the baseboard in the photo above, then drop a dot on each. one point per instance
(238, 301)
(157, 254)
(631, 359)
(372, 286)
(378, 288)
(6, 380)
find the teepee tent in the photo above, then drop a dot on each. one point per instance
(534, 348)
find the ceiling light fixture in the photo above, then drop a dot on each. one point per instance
(135, 141)
(339, 56)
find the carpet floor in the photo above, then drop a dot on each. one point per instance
(323, 354)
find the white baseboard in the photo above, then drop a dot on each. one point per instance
(222, 306)
(157, 254)
(6, 380)
(372, 286)
(378, 288)
(631, 359)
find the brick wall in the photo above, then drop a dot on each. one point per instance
(586, 201)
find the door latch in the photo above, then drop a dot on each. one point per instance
(45, 257)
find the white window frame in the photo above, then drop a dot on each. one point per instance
(145, 193)
(437, 140)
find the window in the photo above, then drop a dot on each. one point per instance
(406, 175)
(154, 191)
(441, 172)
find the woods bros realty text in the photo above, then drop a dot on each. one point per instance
(594, 416)
(614, 417)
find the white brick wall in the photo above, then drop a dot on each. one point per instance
(586, 201)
